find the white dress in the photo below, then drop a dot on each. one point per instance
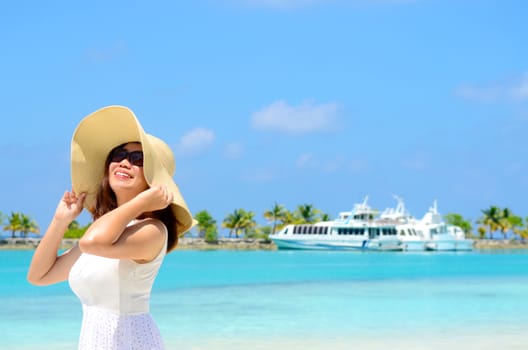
(115, 296)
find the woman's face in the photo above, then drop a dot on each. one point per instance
(125, 172)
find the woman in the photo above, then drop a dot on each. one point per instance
(123, 176)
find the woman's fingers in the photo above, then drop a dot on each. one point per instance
(164, 195)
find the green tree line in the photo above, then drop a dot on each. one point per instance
(240, 222)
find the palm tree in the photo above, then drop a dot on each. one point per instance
(326, 217)
(232, 221)
(247, 223)
(13, 224)
(205, 222)
(482, 232)
(490, 219)
(523, 230)
(276, 213)
(505, 216)
(307, 213)
(516, 224)
(28, 225)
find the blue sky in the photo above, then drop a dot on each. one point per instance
(263, 101)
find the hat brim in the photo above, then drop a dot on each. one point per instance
(99, 133)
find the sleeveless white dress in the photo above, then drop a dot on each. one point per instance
(115, 296)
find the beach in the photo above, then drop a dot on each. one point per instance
(434, 341)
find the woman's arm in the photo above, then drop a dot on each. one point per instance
(46, 267)
(110, 237)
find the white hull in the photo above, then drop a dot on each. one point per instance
(413, 246)
(454, 245)
(318, 244)
(376, 245)
(384, 245)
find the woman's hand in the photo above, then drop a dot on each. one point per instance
(155, 198)
(70, 206)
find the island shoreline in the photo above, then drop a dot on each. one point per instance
(192, 243)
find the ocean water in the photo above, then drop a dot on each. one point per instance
(299, 300)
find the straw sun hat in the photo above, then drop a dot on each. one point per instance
(103, 130)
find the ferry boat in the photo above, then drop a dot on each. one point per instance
(410, 238)
(359, 229)
(363, 229)
(441, 236)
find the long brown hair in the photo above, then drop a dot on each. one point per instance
(106, 201)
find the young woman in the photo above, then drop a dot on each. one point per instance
(123, 176)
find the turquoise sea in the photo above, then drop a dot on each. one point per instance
(299, 300)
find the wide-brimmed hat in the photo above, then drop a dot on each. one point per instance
(103, 130)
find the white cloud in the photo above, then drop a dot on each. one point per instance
(304, 118)
(233, 150)
(513, 89)
(195, 141)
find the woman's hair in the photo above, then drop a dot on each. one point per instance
(106, 201)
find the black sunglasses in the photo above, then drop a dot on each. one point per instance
(134, 157)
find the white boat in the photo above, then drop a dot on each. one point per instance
(358, 229)
(410, 239)
(362, 229)
(439, 235)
